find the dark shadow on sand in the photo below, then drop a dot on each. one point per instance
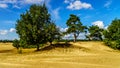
(57, 45)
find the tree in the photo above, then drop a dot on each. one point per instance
(75, 26)
(113, 31)
(112, 34)
(95, 33)
(52, 32)
(31, 25)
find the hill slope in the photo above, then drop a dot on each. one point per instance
(78, 55)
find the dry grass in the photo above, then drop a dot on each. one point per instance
(78, 55)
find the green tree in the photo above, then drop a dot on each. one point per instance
(112, 34)
(53, 33)
(31, 25)
(75, 26)
(113, 31)
(95, 33)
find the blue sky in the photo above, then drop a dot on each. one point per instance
(91, 12)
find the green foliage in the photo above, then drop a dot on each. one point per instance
(112, 34)
(75, 26)
(16, 43)
(113, 44)
(30, 46)
(95, 33)
(31, 25)
(52, 32)
(35, 27)
(113, 31)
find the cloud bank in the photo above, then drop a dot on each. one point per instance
(77, 5)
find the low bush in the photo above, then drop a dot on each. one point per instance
(16, 43)
(113, 44)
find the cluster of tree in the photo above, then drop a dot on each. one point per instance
(112, 34)
(35, 27)
(75, 27)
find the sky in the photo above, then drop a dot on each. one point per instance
(90, 12)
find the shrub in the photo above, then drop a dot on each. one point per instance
(112, 34)
(16, 43)
(113, 44)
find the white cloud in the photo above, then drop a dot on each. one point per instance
(77, 5)
(70, 36)
(3, 5)
(81, 36)
(108, 3)
(6, 35)
(18, 3)
(32, 1)
(100, 24)
(55, 13)
(63, 29)
(9, 1)
(12, 30)
(22, 1)
(3, 32)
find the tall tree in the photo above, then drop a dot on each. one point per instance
(95, 33)
(31, 25)
(112, 34)
(75, 26)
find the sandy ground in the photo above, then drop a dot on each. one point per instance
(78, 55)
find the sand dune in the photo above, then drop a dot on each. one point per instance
(78, 55)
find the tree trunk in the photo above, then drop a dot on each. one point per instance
(50, 43)
(75, 37)
(20, 50)
(37, 47)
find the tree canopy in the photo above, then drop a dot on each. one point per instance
(112, 34)
(95, 33)
(75, 26)
(113, 31)
(35, 27)
(31, 27)
(52, 32)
